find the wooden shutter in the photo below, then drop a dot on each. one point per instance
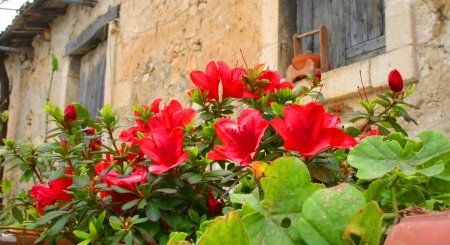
(355, 28)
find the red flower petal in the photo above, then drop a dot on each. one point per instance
(164, 148)
(208, 81)
(250, 126)
(310, 130)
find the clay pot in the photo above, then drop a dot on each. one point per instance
(18, 235)
(299, 61)
(426, 229)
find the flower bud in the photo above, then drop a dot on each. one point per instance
(70, 114)
(318, 75)
(395, 81)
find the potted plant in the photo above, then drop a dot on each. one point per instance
(282, 172)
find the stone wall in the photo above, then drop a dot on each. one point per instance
(156, 44)
(150, 50)
(432, 27)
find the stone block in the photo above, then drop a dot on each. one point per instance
(404, 60)
(399, 24)
(344, 81)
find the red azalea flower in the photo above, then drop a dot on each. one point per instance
(131, 134)
(164, 148)
(208, 80)
(310, 130)
(231, 80)
(172, 116)
(241, 140)
(214, 205)
(70, 114)
(113, 178)
(48, 195)
(266, 82)
(395, 81)
(232, 84)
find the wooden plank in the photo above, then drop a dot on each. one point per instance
(336, 32)
(367, 55)
(305, 22)
(366, 47)
(375, 18)
(287, 28)
(92, 79)
(358, 23)
(94, 34)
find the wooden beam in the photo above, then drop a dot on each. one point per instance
(93, 35)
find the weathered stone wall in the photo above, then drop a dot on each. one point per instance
(432, 22)
(157, 43)
(156, 53)
(152, 48)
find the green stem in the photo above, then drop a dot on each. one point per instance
(389, 216)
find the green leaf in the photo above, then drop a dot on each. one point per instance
(17, 214)
(81, 234)
(167, 190)
(327, 212)
(226, 230)
(193, 215)
(194, 179)
(278, 109)
(128, 239)
(130, 204)
(120, 189)
(81, 181)
(177, 238)
(58, 226)
(374, 157)
(115, 223)
(85, 242)
(59, 173)
(366, 224)
(152, 212)
(287, 184)
(375, 188)
(55, 65)
(6, 185)
(49, 216)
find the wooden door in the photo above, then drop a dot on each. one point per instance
(92, 79)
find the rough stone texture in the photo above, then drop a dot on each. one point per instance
(432, 18)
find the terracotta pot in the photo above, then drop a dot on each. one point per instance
(429, 229)
(299, 60)
(18, 235)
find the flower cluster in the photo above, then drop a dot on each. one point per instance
(174, 167)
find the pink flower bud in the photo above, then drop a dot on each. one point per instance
(395, 81)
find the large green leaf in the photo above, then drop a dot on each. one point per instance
(375, 157)
(286, 185)
(327, 212)
(228, 229)
(366, 224)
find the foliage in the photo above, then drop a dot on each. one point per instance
(282, 172)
